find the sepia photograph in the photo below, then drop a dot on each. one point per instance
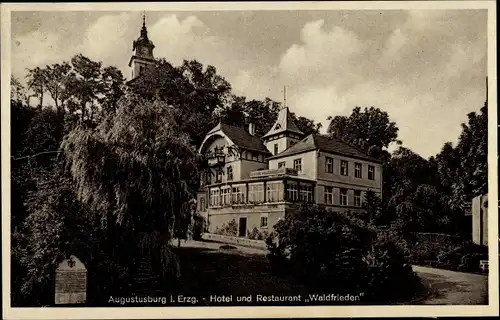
(179, 159)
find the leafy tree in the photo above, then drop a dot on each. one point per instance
(113, 88)
(56, 81)
(472, 151)
(18, 93)
(198, 93)
(84, 84)
(262, 114)
(306, 125)
(136, 169)
(370, 129)
(36, 83)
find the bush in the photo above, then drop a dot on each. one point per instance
(326, 250)
(255, 234)
(464, 258)
(228, 229)
(199, 226)
(427, 247)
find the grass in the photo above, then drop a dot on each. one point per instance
(230, 272)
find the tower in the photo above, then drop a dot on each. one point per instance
(283, 134)
(143, 52)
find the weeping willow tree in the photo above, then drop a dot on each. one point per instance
(136, 171)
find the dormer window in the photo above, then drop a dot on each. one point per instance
(278, 126)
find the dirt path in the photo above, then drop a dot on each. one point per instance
(447, 287)
(455, 288)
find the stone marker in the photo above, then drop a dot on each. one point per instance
(71, 282)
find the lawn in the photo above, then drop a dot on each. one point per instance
(207, 271)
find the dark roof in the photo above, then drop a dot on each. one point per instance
(284, 123)
(327, 144)
(241, 138)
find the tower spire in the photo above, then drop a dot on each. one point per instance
(284, 97)
(144, 30)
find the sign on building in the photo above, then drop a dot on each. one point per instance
(71, 282)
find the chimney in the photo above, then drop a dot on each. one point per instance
(251, 128)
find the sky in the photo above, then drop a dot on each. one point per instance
(427, 68)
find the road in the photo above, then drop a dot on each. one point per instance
(453, 288)
(446, 287)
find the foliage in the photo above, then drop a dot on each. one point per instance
(199, 226)
(256, 234)
(327, 250)
(82, 87)
(136, 169)
(228, 229)
(370, 129)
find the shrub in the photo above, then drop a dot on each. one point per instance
(228, 229)
(326, 250)
(463, 258)
(255, 234)
(199, 226)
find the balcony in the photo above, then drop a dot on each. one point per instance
(273, 172)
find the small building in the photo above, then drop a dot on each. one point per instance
(480, 220)
(257, 181)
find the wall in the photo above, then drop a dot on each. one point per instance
(309, 167)
(480, 220)
(247, 166)
(283, 144)
(350, 179)
(218, 217)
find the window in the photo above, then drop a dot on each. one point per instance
(343, 197)
(214, 197)
(357, 198)
(281, 164)
(256, 193)
(225, 196)
(328, 195)
(344, 167)
(255, 156)
(218, 176)
(292, 192)
(329, 165)
(292, 143)
(229, 173)
(238, 195)
(275, 148)
(202, 204)
(306, 193)
(357, 170)
(208, 177)
(371, 172)
(297, 165)
(263, 221)
(274, 191)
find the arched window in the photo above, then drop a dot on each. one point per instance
(229, 173)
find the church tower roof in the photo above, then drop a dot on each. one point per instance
(283, 124)
(143, 39)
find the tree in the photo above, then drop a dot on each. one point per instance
(85, 86)
(472, 151)
(262, 114)
(18, 93)
(370, 129)
(197, 92)
(36, 82)
(55, 78)
(137, 170)
(113, 88)
(307, 126)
